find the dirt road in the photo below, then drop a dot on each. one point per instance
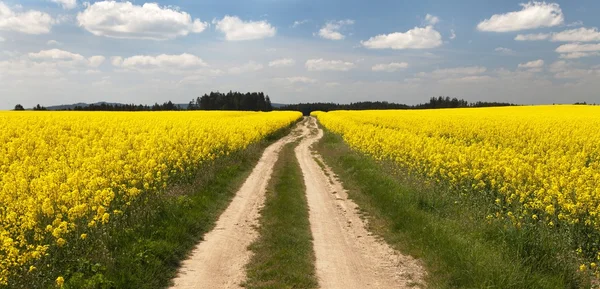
(348, 256)
(219, 260)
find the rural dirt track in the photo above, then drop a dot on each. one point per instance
(347, 255)
(219, 260)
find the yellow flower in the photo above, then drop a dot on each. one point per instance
(582, 267)
(60, 281)
(61, 242)
(62, 169)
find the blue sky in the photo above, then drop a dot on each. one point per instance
(68, 51)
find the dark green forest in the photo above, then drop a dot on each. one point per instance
(258, 101)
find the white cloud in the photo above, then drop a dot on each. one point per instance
(578, 47)
(56, 54)
(452, 34)
(248, 67)
(576, 55)
(2, 39)
(24, 67)
(66, 4)
(66, 59)
(53, 42)
(296, 80)
(321, 65)
(126, 20)
(504, 50)
(566, 70)
(331, 30)
(532, 37)
(533, 15)
(332, 84)
(284, 62)
(416, 38)
(447, 72)
(235, 29)
(391, 67)
(573, 35)
(467, 79)
(431, 20)
(29, 22)
(577, 35)
(532, 64)
(96, 60)
(300, 22)
(167, 62)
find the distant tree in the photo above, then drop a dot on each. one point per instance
(19, 107)
(39, 107)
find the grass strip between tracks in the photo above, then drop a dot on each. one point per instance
(283, 255)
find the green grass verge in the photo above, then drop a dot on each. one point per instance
(143, 248)
(448, 230)
(283, 253)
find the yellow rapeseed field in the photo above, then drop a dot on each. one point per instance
(64, 173)
(539, 164)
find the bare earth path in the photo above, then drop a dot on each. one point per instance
(219, 260)
(347, 255)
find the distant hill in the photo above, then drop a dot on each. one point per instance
(82, 104)
(278, 105)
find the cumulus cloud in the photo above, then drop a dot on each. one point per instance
(578, 47)
(235, 29)
(66, 4)
(296, 80)
(390, 67)
(532, 64)
(532, 15)
(126, 20)
(165, 62)
(331, 30)
(576, 55)
(321, 65)
(577, 35)
(96, 60)
(581, 34)
(57, 58)
(284, 62)
(467, 79)
(566, 70)
(456, 71)
(248, 67)
(29, 22)
(431, 20)
(56, 54)
(416, 38)
(504, 50)
(452, 34)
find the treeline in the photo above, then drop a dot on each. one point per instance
(167, 106)
(251, 101)
(434, 103)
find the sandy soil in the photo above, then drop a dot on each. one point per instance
(218, 261)
(348, 256)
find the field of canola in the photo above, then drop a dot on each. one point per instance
(538, 165)
(64, 173)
